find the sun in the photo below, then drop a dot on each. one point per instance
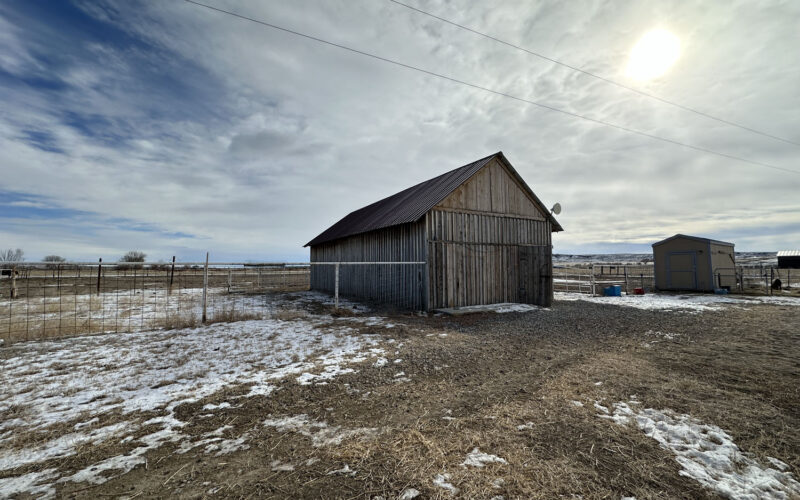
(653, 54)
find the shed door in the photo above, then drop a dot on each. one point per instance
(682, 270)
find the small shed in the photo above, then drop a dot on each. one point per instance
(789, 259)
(684, 262)
(478, 233)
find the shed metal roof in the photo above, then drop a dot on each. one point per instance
(413, 203)
(789, 253)
(696, 238)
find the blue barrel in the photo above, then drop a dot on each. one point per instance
(612, 291)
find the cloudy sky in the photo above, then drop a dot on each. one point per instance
(173, 129)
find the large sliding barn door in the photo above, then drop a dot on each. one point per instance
(535, 278)
(464, 274)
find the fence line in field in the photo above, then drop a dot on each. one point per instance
(46, 300)
(592, 278)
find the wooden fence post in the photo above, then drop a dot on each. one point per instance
(13, 287)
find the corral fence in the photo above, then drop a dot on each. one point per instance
(41, 300)
(592, 278)
(758, 279)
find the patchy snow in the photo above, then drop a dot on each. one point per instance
(321, 433)
(277, 466)
(380, 363)
(684, 302)
(38, 484)
(409, 494)
(346, 470)
(78, 380)
(500, 308)
(443, 481)
(577, 403)
(708, 455)
(476, 458)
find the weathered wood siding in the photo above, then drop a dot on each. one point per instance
(398, 285)
(489, 242)
(492, 190)
(485, 259)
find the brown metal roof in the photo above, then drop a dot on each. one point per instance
(695, 238)
(411, 204)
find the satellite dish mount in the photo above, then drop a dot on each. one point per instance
(556, 209)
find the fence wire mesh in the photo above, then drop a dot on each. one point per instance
(398, 285)
(48, 301)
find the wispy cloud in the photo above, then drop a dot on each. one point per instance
(170, 128)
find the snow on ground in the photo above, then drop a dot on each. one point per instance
(80, 380)
(477, 458)
(708, 454)
(503, 307)
(443, 481)
(321, 433)
(685, 302)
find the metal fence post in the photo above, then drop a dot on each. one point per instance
(336, 286)
(625, 269)
(99, 269)
(591, 269)
(205, 288)
(171, 275)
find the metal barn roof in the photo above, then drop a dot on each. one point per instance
(789, 253)
(411, 204)
(696, 238)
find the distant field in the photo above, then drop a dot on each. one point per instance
(668, 396)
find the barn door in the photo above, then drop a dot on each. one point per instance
(535, 279)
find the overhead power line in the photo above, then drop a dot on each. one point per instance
(594, 75)
(496, 92)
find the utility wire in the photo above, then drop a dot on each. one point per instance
(496, 92)
(594, 75)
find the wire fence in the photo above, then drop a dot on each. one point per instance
(399, 285)
(44, 300)
(50, 300)
(592, 278)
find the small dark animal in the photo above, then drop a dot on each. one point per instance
(776, 285)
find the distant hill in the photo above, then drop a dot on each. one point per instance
(742, 258)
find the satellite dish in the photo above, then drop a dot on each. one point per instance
(556, 209)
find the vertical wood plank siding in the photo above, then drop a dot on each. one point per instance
(400, 285)
(487, 258)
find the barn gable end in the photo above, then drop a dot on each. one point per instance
(494, 189)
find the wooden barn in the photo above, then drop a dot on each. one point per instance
(478, 234)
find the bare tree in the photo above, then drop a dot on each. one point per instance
(55, 262)
(133, 256)
(11, 255)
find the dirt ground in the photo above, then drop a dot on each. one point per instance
(506, 384)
